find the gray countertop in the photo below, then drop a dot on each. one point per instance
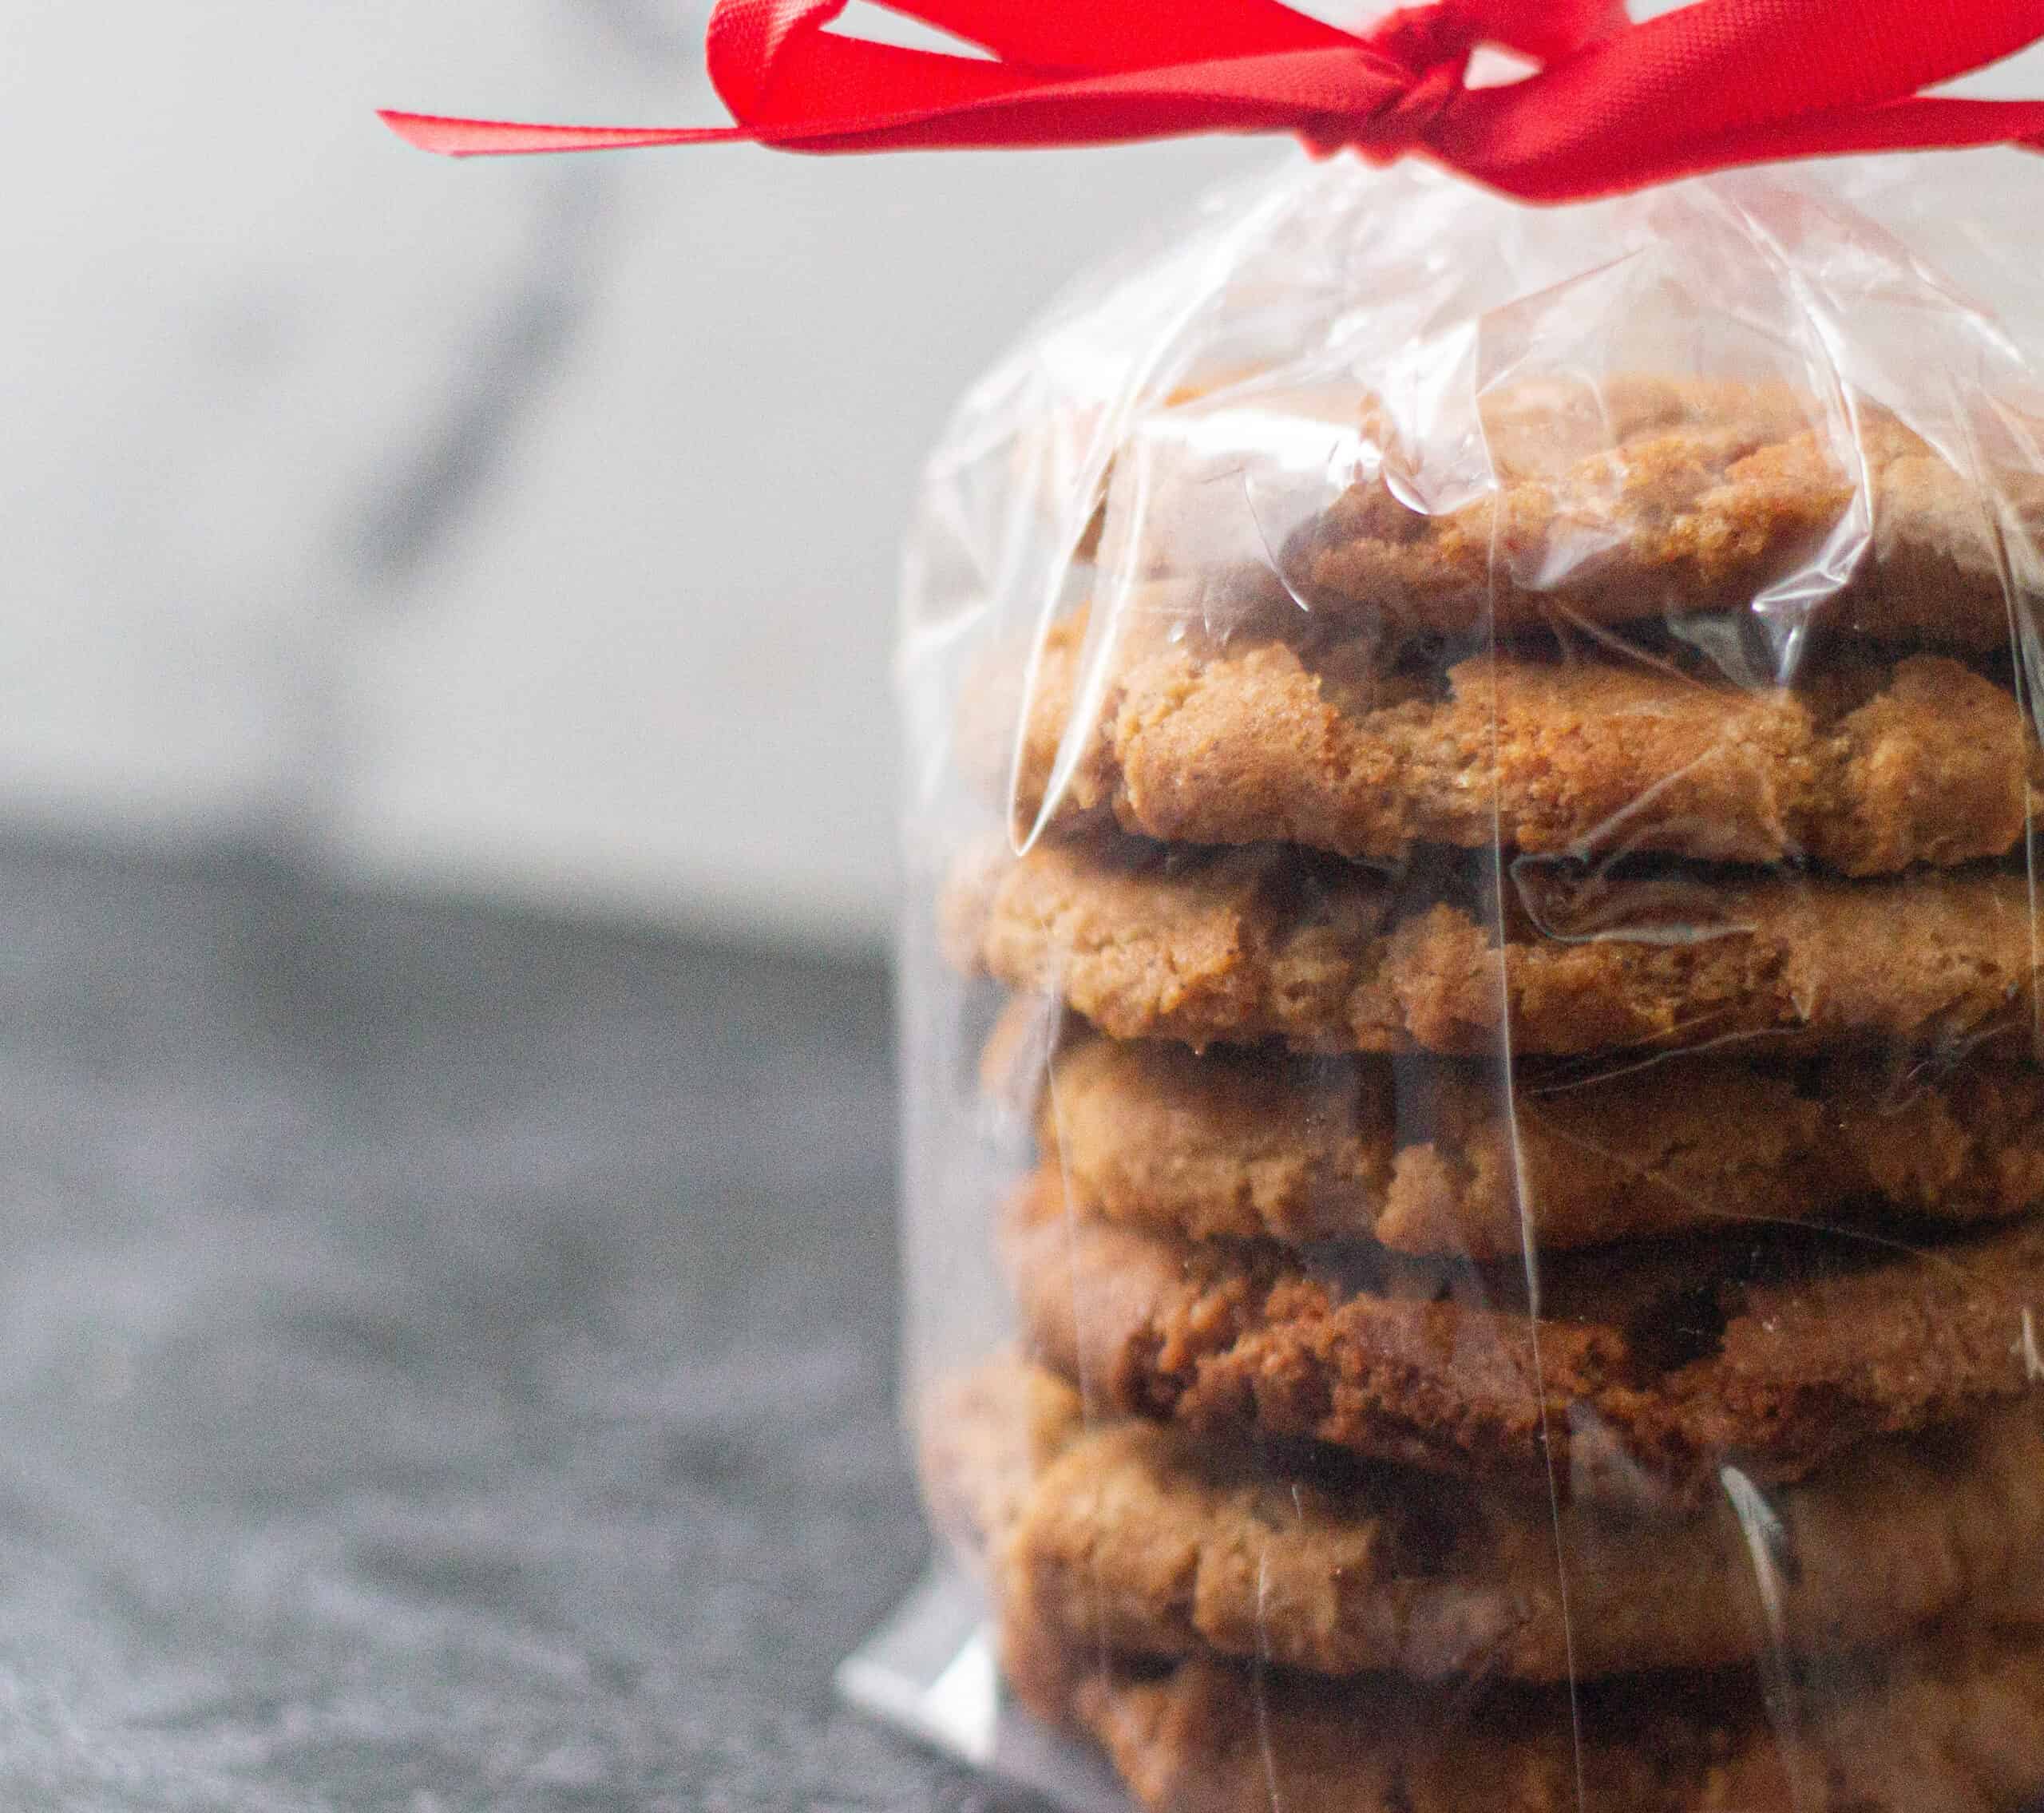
(447, 1358)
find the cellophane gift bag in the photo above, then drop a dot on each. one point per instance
(1475, 1142)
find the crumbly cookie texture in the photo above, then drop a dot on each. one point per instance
(1955, 1724)
(1130, 1538)
(1265, 942)
(1866, 768)
(1651, 1369)
(1640, 498)
(1246, 1144)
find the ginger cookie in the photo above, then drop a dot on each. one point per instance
(1241, 1144)
(1642, 1370)
(1637, 499)
(1867, 768)
(1955, 1723)
(1132, 1538)
(1268, 942)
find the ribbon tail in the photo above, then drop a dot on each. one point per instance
(509, 138)
(1585, 169)
(1926, 123)
(987, 104)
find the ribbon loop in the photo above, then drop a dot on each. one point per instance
(1612, 105)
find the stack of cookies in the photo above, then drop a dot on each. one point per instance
(1529, 1291)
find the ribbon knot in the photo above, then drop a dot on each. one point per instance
(1426, 50)
(1610, 106)
(1401, 124)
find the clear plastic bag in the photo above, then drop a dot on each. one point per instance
(1475, 1138)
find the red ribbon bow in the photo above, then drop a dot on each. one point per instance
(1612, 106)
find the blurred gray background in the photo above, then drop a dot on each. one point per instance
(523, 528)
(447, 1129)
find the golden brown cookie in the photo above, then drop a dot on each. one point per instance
(1129, 1537)
(1645, 1369)
(1236, 1143)
(1866, 768)
(1640, 498)
(1955, 1724)
(1268, 942)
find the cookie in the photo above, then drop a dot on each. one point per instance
(1246, 1144)
(1132, 1538)
(1866, 768)
(1645, 1370)
(1267, 942)
(1951, 1725)
(1639, 498)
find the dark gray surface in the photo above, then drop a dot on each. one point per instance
(446, 1358)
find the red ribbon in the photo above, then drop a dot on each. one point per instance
(1612, 105)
